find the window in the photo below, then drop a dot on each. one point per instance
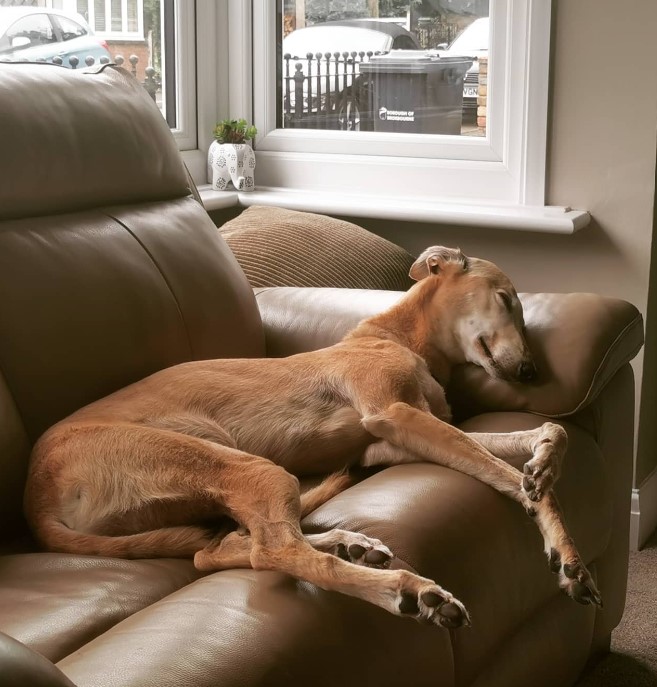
(29, 32)
(503, 165)
(117, 19)
(383, 66)
(155, 43)
(70, 29)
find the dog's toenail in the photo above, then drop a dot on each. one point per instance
(582, 593)
(451, 611)
(527, 469)
(528, 483)
(408, 604)
(570, 570)
(343, 553)
(531, 512)
(432, 599)
(376, 557)
(356, 550)
(555, 561)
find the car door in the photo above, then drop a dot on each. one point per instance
(74, 40)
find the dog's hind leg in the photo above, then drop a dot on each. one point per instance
(419, 433)
(234, 550)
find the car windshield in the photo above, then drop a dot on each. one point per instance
(314, 39)
(473, 39)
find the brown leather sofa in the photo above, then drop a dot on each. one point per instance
(110, 270)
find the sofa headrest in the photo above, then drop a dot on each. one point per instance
(110, 145)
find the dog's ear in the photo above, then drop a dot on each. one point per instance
(434, 259)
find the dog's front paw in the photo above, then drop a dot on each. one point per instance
(542, 471)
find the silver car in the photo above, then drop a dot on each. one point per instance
(37, 33)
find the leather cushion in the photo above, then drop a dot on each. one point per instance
(240, 627)
(55, 603)
(73, 139)
(580, 340)
(479, 545)
(280, 247)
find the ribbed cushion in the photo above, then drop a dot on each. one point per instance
(279, 247)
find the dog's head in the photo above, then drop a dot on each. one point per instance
(479, 304)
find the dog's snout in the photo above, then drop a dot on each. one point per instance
(526, 371)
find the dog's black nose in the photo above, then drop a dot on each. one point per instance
(526, 371)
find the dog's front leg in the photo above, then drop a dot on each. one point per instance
(419, 433)
(543, 448)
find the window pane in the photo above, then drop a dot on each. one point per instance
(133, 11)
(148, 55)
(30, 32)
(402, 66)
(70, 29)
(117, 21)
(99, 15)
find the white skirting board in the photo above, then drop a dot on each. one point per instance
(643, 520)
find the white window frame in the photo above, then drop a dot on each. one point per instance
(124, 34)
(507, 166)
(185, 132)
(496, 181)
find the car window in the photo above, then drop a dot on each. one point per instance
(70, 29)
(404, 43)
(35, 27)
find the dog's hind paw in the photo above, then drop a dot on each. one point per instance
(352, 547)
(435, 606)
(361, 550)
(575, 580)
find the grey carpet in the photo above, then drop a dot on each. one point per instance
(633, 658)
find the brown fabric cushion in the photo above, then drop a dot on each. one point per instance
(279, 247)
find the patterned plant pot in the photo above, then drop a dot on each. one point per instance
(232, 162)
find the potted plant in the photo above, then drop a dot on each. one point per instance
(231, 157)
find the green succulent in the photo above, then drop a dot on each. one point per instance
(234, 131)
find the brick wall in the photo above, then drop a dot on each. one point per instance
(128, 48)
(483, 92)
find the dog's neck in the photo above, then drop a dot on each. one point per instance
(413, 323)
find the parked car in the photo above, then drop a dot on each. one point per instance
(472, 42)
(38, 33)
(349, 35)
(331, 87)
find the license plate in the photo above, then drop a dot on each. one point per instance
(470, 91)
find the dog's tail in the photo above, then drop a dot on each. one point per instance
(168, 542)
(325, 490)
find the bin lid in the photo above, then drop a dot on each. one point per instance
(414, 61)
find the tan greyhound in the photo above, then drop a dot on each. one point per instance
(143, 471)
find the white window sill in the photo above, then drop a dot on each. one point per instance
(550, 219)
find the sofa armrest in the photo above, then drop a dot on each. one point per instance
(579, 340)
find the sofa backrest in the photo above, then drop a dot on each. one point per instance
(109, 269)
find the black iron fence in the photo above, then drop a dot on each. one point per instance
(324, 91)
(431, 34)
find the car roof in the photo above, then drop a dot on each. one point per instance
(391, 28)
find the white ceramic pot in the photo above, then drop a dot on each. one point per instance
(232, 162)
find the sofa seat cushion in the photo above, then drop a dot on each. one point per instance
(479, 545)
(240, 627)
(55, 603)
